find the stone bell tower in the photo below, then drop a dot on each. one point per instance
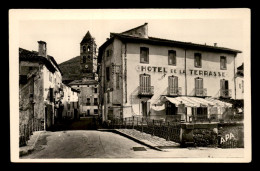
(88, 57)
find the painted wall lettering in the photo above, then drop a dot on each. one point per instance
(226, 138)
(179, 71)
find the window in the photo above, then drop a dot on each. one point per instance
(84, 59)
(223, 62)
(95, 101)
(89, 58)
(199, 87)
(145, 84)
(95, 90)
(117, 80)
(224, 88)
(144, 55)
(173, 85)
(95, 111)
(197, 60)
(172, 57)
(88, 48)
(107, 73)
(88, 101)
(84, 48)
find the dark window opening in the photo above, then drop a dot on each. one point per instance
(172, 57)
(223, 62)
(197, 60)
(144, 55)
(84, 59)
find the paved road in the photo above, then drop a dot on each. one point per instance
(97, 144)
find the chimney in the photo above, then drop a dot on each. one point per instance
(215, 44)
(42, 50)
(145, 30)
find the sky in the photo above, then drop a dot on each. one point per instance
(63, 36)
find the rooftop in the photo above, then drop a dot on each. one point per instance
(32, 56)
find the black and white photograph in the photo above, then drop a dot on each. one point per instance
(130, 85)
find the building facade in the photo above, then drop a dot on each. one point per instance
(70, 102)
(240, 82)
(88, 97)
(39, 89)
(138, 72)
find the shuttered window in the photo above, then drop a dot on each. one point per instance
(199, 91)
(172, 57)
(144, 55)
(197, 60)
(145, 83)
(173, 85)
(173, 81)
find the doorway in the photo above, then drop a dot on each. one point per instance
(144, 108)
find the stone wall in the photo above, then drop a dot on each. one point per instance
(222, 135)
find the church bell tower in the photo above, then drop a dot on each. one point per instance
(88, 57)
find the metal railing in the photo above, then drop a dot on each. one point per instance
(225, 93)
(146, 90)
(174, 91)
(201, 92)
(170, 130)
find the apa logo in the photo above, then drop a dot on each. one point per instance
(227, 137)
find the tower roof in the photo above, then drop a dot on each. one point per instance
(86, 38)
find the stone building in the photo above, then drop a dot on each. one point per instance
(39, 89)
(148, 76)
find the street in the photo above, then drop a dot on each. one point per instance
(98, 144)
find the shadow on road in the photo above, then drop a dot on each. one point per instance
(84, 123)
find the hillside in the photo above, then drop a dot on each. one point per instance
(70, 69)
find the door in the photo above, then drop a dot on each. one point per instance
(88, 112)
(224, 88)
(144, 108)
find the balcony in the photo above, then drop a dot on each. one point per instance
(201, 92)
(147, 91)
(226, 93)
(174, 91)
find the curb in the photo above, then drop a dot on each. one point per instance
(22, 153)
(132, 138)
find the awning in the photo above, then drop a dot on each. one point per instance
(219, 102)
(197, 102)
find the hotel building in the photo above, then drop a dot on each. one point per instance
(148, 76)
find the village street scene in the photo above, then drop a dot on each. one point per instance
(131, 94)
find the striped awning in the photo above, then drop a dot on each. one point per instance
(197, 102)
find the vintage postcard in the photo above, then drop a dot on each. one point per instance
(126, 85)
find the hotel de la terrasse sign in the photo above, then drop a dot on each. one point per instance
(195, 72)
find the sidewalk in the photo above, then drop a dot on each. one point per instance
(30, 144)
(152, 141)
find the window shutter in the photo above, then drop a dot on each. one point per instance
(176, 82)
